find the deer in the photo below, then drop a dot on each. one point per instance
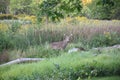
(61, 45)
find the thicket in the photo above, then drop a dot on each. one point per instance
(102, 9)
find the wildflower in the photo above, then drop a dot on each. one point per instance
(3, 27)
(107, 35)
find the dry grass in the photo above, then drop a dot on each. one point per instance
(84, 30)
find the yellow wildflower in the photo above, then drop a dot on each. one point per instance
(3, 27)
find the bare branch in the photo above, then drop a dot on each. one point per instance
(22, 60)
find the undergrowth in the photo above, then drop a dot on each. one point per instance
(67, 66)
(91, 33)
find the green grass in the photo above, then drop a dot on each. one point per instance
(34, 52)
(107, 78)
(67, 66)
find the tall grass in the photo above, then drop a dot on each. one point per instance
(89, 33)
(93, 33)
(34, 51)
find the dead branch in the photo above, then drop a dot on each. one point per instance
(108, 48)
(22, 60)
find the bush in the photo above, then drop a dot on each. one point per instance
(116, 10)
(98, 9)
(103, 10)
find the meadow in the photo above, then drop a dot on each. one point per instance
(18, 40)
(77, 66)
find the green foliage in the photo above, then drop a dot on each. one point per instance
(107, 78)
(56, 9)
(104, 2)
(102, 9)
(103, 40)
(15, 26)
(22, 7)
(4, 6)
(42, 51)
(116, 10)
(5, 42)
(85, 65)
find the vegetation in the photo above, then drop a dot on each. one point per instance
(93, 35)
(102, 9)
(25, 7)
(108, 78)
(56, 9)
(7, 16)
(4, 4)
(27, 27)
(68, 66)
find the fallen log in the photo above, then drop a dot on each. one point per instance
(108, 48)
(22, 60)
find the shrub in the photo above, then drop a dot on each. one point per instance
(98, 9)
(102, 9)
(116, 10)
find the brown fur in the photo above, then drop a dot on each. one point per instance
(61, 44)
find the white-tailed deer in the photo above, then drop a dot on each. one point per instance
(61, 44)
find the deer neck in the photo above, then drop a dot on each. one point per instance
(65, 42)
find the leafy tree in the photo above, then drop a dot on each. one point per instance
(111, 9)
(21, 6)
(105, 7)
(56, 9)
(101, 9)
(4, 6)
(106, 2)
(116, 10)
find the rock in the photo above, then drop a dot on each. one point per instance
(76, 49)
